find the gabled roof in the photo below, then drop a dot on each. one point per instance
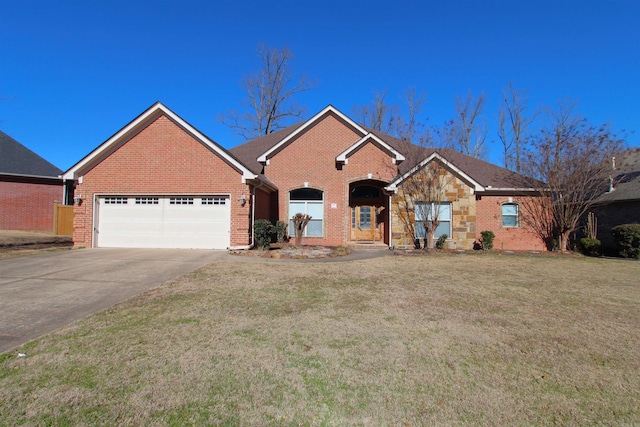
(16, 159)
(139, 123)
(344, 156)
(480, 175)
(264, 157)
(483, 176)
(626, 178)
(249, 151)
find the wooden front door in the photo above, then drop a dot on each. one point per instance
(364, 223)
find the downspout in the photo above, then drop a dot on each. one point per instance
(64, 191)
(390, 216)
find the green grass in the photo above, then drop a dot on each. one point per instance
(424, 340)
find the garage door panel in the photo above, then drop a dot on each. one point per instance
(164, 222)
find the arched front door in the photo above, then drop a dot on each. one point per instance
(368, 212)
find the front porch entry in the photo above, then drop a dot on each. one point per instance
(368, 212)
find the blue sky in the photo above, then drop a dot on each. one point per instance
(72, 73)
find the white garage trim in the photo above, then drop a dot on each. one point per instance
(151, 221)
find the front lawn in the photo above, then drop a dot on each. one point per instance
(440, 339)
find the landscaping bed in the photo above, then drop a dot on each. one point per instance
(287, 251)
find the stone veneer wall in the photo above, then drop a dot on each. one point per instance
(463, 213)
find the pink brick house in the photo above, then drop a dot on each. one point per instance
(159, 182)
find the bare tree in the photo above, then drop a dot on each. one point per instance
(513, 124)
(409, 129)
(270, 95)
(379, 115)
(422, 198)
(468, 131)
(571, 160)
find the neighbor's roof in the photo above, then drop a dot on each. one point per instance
(16, 159)
(626, 178)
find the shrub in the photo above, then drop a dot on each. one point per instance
(440, 241)
(590, 246)
(487, 239)
(281, 231)
(628, 238)
(263, 230)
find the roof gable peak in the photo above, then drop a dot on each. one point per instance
(330, 109)
(143, 120)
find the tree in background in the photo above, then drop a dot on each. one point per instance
(379, 115)
(513, 126)
(570, 158)
(270, 99)
(468, 131)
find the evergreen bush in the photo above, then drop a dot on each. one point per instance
(628, 238)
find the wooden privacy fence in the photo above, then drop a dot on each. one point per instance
(63, 220)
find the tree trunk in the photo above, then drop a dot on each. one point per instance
(431, 241)
(563, 241)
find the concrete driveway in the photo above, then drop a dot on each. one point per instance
(39, 294)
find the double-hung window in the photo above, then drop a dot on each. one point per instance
(307, 201)
(427, 212)
(510, 215)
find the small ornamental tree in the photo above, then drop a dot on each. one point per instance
(300, 222)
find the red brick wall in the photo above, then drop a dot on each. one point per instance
(311, 158)
(263, 205)
(162, 159)
(28, 206)
(489, 217)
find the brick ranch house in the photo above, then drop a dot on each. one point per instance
(159, 182)
(29, 188)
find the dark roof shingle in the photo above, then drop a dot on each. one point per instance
(16, 159)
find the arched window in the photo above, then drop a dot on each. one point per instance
(510, 215)
(307, 201)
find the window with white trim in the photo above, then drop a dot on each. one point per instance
(115, 200)
(510, 215)
(307, 201)
(426, 212)
(181, 200)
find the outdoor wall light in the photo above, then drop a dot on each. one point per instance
(77, 199)
(242, 200)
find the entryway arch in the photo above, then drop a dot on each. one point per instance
(369, 208)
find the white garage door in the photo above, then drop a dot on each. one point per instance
(163, 222)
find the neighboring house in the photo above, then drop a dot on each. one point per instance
(621, 204)
(159, 182)
(29, 188)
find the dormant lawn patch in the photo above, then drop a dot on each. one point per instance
(425, 340)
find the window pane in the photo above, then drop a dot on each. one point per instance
(421, 209)
(297, 207)
(305, 194)
(420, 231)
(292, 231)
(509, 209)
(443, 228)
(314, 228)
(365, 217)
(510, 221)
(444, 212)
(315, 210)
